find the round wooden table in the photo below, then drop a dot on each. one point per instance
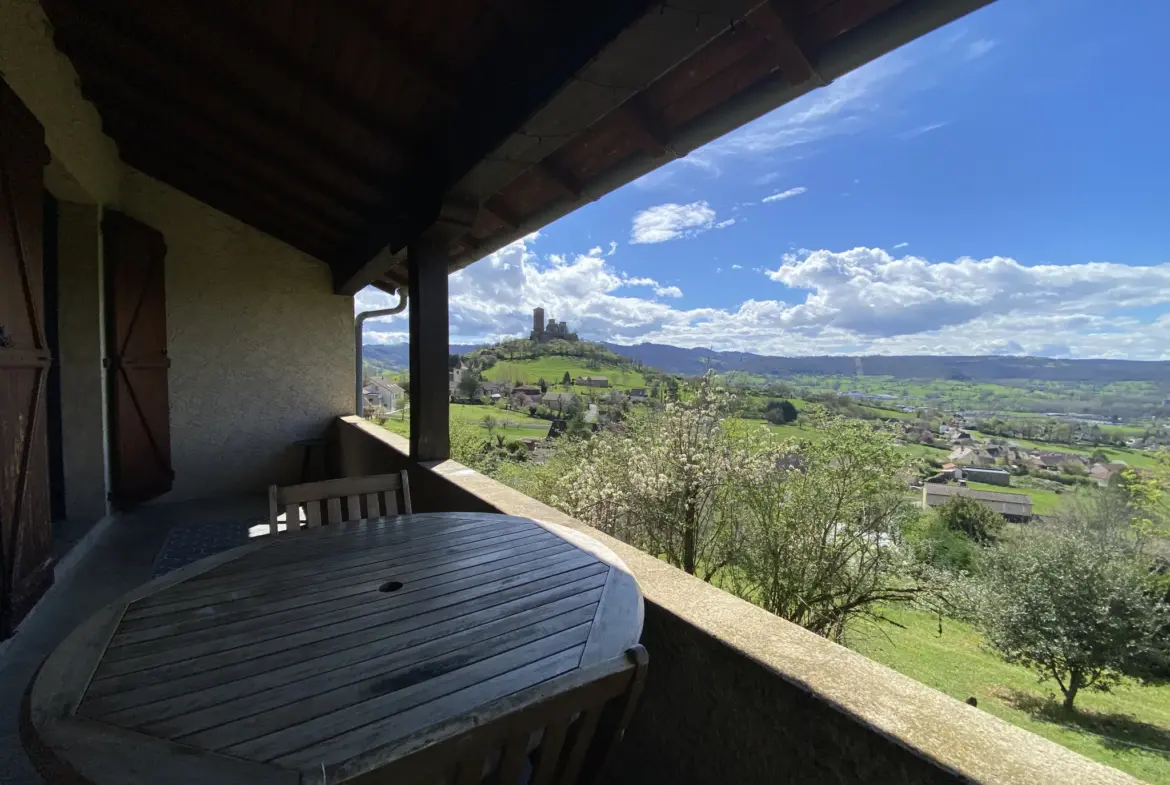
(281, 661)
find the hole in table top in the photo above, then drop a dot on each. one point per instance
(390, 586)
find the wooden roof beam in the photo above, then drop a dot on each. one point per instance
(772, 20)
(645, 129)
(566, 183)
(504, 215)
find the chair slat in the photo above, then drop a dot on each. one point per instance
(334, 507)
(292, 517)
(353, 508)
(513, 758)
(550, 752)
(586, 725)
(391, 503)
(273, 510)
(373, 507)
(405, 493)
(313, 513)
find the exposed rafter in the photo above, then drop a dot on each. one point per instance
(646, 130)
(772, 20)
(565, 182)
(504, 214)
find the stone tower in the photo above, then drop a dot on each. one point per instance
(537, 320)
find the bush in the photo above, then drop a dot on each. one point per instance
(972, 519)
(933, 543)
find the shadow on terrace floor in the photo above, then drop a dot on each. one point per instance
(128, 554)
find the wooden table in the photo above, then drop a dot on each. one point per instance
(281, 661)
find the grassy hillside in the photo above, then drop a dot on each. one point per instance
(552, 369)
(513, 426)
(1128, 729)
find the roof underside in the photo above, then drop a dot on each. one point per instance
(347, 128)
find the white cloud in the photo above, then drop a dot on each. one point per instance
(595, 251)
(922, 129)
(979, 47)
(612, 248)
(671, 221)
(791, 192)
(725, 224)
(864, 300)
(901, 245)
(737, 267)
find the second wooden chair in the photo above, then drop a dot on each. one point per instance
(335, 501)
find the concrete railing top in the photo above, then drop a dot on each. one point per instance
(964, 742)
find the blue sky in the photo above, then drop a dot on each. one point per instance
(1001, 185)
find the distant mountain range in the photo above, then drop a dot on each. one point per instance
(690, 362)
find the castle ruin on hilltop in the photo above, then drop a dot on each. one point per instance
(553, 331)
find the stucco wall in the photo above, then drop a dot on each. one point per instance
(261, 349)
(80, 356)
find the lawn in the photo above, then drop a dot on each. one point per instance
(511, 425)
(954, 662)
(552, 369)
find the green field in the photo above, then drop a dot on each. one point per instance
(1107, 726)
(552, 369)
(511, 425)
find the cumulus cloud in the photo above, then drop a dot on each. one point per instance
(862, 300)
(782, 195)
(671, 221)
(737, 267)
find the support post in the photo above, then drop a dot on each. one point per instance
(428, 262)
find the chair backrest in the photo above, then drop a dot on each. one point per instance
(335, 501)
(560, 732)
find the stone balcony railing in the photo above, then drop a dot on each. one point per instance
(737, 695)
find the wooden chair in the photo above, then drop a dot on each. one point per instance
(347, 499)
(561, 732)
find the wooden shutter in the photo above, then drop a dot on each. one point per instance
(26, 536)
(136, 358)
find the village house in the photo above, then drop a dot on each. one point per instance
(592, 381)
(559, 401)
(380, 391)
(524, 396)
(638, 394)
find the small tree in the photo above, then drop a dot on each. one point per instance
(490, 424)
(1072, 610)
(972, 518)
(469, 384)
(566, 379)
(1099, 456)
(542, 384)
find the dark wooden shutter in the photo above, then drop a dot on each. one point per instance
(26, 535)
(136, 358)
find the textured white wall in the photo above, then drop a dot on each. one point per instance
(261, 349)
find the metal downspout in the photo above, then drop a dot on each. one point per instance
(359, 370)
